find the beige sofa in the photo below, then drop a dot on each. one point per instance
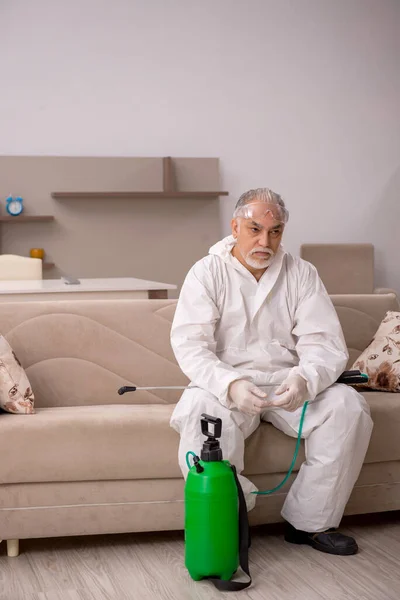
(90, 461)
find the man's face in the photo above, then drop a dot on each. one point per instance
(257, 240)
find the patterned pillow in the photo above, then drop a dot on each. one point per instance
(381, 360)
(16, 395)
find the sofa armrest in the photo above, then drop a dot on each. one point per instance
(383, 290)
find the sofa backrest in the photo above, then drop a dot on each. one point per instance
(81, 352)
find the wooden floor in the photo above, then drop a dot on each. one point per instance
(150, 567)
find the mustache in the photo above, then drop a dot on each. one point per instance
(266, 250)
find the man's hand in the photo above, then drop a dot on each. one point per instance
(293, 392)
(247, 397)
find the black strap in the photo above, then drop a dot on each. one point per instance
(244, 545)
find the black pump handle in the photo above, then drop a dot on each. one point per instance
(209, 420)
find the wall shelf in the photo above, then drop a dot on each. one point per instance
(25, 218)
(169, 190)
(28, 219)
(134, 195)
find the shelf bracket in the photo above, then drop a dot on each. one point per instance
(169, 183)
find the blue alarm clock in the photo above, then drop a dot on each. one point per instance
(14, 206)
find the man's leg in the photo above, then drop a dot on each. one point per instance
(337, 430)
(236, 426)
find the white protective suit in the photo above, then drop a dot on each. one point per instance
(229, 326)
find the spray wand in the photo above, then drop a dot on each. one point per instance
(348, 377)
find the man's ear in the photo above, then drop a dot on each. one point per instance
(235, 228)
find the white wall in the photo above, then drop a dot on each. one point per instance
(302, 96)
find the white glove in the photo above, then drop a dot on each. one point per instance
(293, 392)
(247, 397)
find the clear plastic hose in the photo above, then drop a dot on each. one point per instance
(187, 458)
(296, 452)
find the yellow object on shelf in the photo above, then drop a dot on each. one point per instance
(36, 253)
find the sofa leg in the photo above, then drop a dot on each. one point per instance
(12, 548)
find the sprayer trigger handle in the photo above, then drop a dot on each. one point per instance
(126, 388)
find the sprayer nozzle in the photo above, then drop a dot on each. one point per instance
(196, 462)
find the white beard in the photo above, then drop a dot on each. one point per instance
(257, 263)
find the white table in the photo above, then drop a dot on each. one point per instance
(87, 289)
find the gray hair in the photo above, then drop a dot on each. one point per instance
(261, 195)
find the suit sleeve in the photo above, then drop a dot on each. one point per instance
(320, 343)
(193, 334)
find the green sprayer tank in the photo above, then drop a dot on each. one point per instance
(211, 510)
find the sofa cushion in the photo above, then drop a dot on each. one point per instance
(385, 413)
(89, 443)
(381, 360)
(16, 394)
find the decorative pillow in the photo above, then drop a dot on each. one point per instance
(16, 395)
(381, 360)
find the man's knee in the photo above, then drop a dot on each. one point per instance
(193, 403)
(350, 404)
